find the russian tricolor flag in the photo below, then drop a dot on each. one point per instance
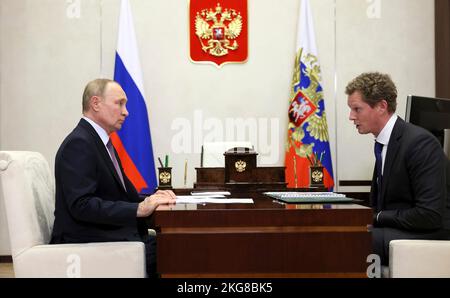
(133, 141)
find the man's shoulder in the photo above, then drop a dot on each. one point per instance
(418, 131)
(417, 137)
(79, 132)
(413, 131)
(79, 135)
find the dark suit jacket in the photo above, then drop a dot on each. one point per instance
(91, 203)
(413, 195)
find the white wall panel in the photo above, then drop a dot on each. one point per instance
(49, 49)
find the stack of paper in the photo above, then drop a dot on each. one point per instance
(211, 197)
(210, 193)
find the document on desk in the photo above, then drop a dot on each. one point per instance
(216, 200)
(211, 193)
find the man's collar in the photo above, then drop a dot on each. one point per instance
(100, 131)
(385, 134)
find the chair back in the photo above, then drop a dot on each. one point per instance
(29, 197)
(212, 152)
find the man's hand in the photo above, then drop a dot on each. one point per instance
(161, 197)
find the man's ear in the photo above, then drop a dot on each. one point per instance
(95, 100)
(382, 105)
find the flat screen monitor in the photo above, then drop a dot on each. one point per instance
(432, 114)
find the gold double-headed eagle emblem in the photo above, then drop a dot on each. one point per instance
(164, 177)
(240, 166)
(218, 28)
(317, 176)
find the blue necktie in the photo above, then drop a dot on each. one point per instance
(378, 165)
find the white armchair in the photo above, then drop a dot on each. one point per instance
(419, 258)
(29, 197)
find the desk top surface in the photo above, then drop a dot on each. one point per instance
(265, 211)
(260, 200)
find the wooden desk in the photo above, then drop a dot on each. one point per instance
(265, 239)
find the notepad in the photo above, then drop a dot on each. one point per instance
(309, 197)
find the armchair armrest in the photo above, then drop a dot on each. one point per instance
(419, 258)
(82, 260)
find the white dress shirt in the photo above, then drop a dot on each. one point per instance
(385, 136)
(100, 131)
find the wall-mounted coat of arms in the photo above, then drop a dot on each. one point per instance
(218, 31)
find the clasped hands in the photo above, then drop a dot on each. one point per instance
(161, 197)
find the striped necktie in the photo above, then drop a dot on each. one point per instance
(112, 153)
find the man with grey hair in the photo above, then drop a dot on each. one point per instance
(408, 192)
(95, 201)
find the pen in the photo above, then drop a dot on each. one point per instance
(281, 203)
(160, 162)
(185, 172)
(167, 161)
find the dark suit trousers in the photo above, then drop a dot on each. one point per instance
(150, 255)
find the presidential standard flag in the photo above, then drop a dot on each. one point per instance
(307, 141)
(133, 142)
